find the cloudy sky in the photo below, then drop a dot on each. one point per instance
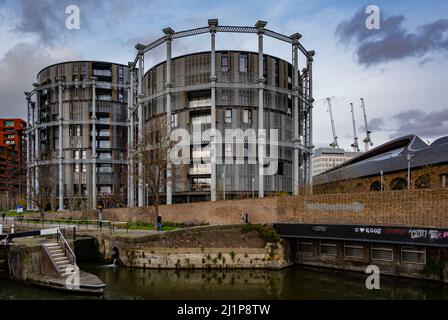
(401, 69)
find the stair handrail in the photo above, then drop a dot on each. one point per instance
(66, 245)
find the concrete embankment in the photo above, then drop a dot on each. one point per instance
(215, 247)
(29, 262)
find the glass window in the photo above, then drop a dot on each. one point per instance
(305, 246)
(247, 116)
(105, 155)
(201, 118)
(413, 254)
(383, 252)
(105, 189)
(228, 115)
(243, 62)
(328, 248)
(224, 62)
(174, 118)
(9, 123)
(105, 168)
(200, 102)
(353, 250)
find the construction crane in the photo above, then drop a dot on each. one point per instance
(334, 144)
(367, 141)
(355, 145)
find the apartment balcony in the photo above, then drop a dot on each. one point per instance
(102, 73)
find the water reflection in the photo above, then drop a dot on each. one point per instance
(291, 283)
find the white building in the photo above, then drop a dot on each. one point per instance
(327, 158)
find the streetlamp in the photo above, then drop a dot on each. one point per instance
(223, 175)
(382, 188)
(146, 192)
(408, 157)
(253, 187)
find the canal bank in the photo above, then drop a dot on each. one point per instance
(206, 247)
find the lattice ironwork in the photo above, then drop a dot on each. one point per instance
(277, 35)
(154, 44)
(191, 32)
(236, 29)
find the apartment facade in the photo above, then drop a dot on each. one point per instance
(12, 161)
(78, 133)
(236, 109)
(326, 158)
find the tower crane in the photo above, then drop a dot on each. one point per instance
(355, 145)
(367, 141)
(334, 144)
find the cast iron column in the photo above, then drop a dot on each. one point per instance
(94, 154)
(169, 183)
(261, 132)
(61, 147)
(213, 23)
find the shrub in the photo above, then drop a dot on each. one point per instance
(266, 232)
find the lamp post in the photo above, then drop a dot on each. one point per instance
(253, 187)
(146, 194)
(382, 188)
(223, 175)
(409, 170)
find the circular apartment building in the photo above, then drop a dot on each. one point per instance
(236, 108)
(78, 141)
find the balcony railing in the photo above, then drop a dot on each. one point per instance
(104, 73)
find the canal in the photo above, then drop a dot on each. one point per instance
(292, 283)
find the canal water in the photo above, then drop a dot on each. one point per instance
(296, 282)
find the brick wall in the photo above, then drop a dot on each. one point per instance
(424, 208)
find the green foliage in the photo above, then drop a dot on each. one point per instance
(281, 194)
(267, 232)
(433, 267)
(232, 255)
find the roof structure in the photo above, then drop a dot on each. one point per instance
(389, 157)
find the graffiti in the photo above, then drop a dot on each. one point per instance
(400, 232)
(320, 228)
(355, 206)
(368, 230)
(418, 233)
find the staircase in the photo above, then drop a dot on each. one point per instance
(60, 259)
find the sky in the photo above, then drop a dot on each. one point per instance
(400, 69)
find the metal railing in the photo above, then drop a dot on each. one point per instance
(79, 224)
(67, 249)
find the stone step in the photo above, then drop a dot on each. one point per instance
(60, 258)
(57, 255)
(59, 250)
(61, 263)
(51, 244)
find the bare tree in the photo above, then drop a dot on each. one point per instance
(153, 151)
(45, 193)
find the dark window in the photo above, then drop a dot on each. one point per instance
(398, 184)
(376, 186)
(423, 181)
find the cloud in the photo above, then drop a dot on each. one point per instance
(18, 71)
(425, 124)
(392, 41)
(46, 18)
